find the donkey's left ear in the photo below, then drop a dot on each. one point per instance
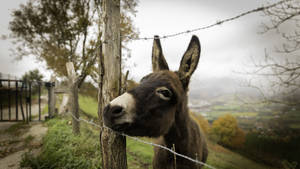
(158, 59)
(189, 61)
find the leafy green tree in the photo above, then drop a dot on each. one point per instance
(33, 75)
(61, 31)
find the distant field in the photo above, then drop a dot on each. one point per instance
(250, 114)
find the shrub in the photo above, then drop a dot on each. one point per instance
(62, 149)
(225, 131)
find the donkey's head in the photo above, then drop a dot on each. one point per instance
(154, 106)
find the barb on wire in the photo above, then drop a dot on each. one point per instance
(214, 24)
(144, 142)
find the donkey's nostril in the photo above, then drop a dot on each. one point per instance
(116, 110)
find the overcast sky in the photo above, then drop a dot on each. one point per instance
(225, 48)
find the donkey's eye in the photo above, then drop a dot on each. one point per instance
(164, 93)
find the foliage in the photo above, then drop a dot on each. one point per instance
(88, 89)
(60, 31)
(239, 139)
(33, 75)
(62, 149)
(225, 131)
(272, 149)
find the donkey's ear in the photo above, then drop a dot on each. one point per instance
(158, 59)
(189, 61)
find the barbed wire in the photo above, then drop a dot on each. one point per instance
(144, 142)
(211, 25)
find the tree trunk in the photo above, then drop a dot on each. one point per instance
(113, 147)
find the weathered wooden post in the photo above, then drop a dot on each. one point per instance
(113, 146)
(73, 97)
(51, 97)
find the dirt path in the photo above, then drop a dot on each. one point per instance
(16, 138)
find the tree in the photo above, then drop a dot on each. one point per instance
(225, 131)
(281, 69)
(33, 75)
(61, 31)
(239, 139)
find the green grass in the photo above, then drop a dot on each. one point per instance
(139, 155)
(88, 105)
(62, 149)
(223, 158)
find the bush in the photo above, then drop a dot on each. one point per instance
(273, 149)
(62, 149)
(225, 131)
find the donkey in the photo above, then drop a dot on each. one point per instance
(157, 108)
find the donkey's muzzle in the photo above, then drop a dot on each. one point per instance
(111, 113)
(114, 111)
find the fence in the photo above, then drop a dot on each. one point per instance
(18, 98)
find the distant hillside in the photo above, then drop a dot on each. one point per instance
(209, 88)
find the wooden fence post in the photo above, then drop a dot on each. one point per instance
(51, 97)
(113, 146)
(73, 97)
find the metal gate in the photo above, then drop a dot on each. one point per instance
(16, 99)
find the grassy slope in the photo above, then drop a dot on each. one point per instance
(223, 158)
(140, 155)
(88, 105)
(61, 149)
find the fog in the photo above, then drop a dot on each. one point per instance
(226, 49)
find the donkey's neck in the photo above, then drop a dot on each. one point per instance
(180, 131)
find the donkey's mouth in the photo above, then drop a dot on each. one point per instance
(121, 127)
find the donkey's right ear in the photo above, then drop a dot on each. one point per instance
(158, 59)
(189, 61)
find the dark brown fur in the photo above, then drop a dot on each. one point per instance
(168, 120)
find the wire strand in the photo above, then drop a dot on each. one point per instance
(211, 25)
(144, 142)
